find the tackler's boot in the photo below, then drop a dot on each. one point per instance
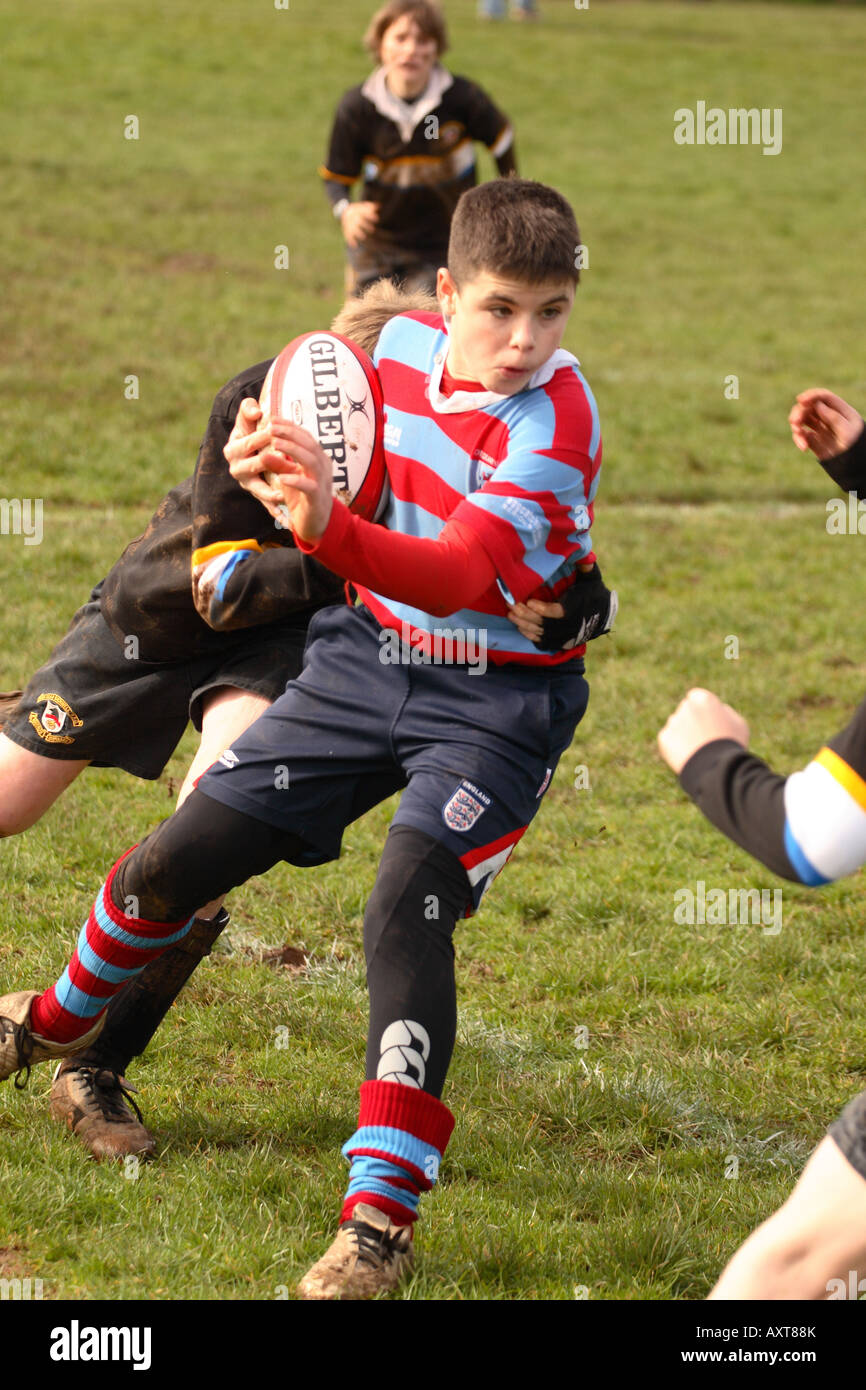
(90, 1093)
(21, 1048)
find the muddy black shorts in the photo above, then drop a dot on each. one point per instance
(91, 701)
(849, 1132)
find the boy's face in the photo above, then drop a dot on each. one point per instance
(407, 57)
(501, 331)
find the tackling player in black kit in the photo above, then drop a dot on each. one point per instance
(811, 828)
(177, 631)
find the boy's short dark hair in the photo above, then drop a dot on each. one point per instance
(427, 16)
(515, 228)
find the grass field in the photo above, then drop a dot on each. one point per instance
(611, 1062)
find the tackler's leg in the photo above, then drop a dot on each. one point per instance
(90, 1093)
(146, 905)
(30, 784)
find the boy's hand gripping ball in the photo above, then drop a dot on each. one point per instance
(327, 385)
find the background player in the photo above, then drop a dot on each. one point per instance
(811, 828)
(409, 130)
(494, 396)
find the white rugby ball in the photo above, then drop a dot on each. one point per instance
(328, 386)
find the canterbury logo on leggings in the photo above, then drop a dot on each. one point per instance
(404, 1049)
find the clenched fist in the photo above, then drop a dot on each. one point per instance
(699, 718)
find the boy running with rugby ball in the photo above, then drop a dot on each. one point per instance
(493, 447)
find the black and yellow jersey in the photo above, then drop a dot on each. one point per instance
(414, 159)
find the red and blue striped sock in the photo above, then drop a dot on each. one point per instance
(113, 947)
(396, 1150)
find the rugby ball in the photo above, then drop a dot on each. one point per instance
(328, 386)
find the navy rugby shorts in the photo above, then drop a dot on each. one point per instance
(475, 753)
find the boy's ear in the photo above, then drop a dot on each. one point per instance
(446, 291)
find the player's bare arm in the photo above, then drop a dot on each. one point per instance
(700, 718)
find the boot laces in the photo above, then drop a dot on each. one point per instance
(23, 1039)
(108, 1090)
(375, 1247)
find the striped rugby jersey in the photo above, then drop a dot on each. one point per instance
(521, 471)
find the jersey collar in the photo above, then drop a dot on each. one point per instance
(460, 401)
(406, 115)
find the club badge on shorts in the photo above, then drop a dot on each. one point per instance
(56, 717)
(463, 809)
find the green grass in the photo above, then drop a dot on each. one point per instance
(603, 1165)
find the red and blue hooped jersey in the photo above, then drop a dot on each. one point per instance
(521, 471)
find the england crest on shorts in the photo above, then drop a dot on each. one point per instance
(463, 809)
